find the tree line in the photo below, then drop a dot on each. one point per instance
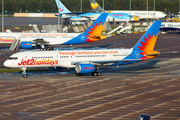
(49, 6)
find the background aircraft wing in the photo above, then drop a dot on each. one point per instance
(40, 41)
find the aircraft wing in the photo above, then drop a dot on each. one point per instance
(40, 41)
(72, 13)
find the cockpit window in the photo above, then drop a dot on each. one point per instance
(13, 58)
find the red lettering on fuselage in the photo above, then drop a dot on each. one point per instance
(38, 62)
(117, 14)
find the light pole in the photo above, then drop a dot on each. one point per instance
(130, 10)
(179, 11)
(154, 10)
(146, 5)
(58, 13)
(103, 6)
(2, 15)
(81, 5)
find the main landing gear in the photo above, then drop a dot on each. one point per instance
(47, 49)
(93, 74)
(24, 72)
(96, 74)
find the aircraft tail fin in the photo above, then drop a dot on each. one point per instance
(93, 33)
(144, 117)
(95, 6)
(61, 7)
(147, 42)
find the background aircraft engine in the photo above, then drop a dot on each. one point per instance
(85, 68)
(27, 45)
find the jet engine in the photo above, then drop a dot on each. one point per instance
(27, 44)
(85, 68)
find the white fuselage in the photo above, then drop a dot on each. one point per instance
(95, 16)
(143, 14)
(170, 25)
(50, 38)
(66, 58)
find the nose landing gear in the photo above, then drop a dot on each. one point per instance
(24, 72)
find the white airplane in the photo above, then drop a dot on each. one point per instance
(31, 40)
(66, 14)
(174, 26)
(88, 61)
(140, 13)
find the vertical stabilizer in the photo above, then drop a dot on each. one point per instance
(93, 33)
(97, 26)
(95, 6)
(147, 42)
(61, 7)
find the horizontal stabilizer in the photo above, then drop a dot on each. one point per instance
(97, 38)
(151, 54)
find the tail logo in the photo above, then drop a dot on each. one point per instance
(147, 45)
(94, 6)
(62, 9)
(96, 30)
(137, 54)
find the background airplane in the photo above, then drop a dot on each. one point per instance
(167, 26)
(31, 40)
(66, 14)
(88, 61)
(140, 13)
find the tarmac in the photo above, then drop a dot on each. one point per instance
(122, 93)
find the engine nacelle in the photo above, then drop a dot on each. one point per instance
(85, 68)
(27, 45)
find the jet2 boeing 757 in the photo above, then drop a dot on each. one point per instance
(88, 61)
(31, 40)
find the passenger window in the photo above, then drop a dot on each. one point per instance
(13, 58)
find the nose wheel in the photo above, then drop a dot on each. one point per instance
(24, 72)
(25, 75)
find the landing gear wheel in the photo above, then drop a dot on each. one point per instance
(52, 48)
(99, 74)
(25, 76)
(43, 49)
(96, 74)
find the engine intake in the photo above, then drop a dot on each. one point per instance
(27, 45)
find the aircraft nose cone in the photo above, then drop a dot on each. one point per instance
(6, 64)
